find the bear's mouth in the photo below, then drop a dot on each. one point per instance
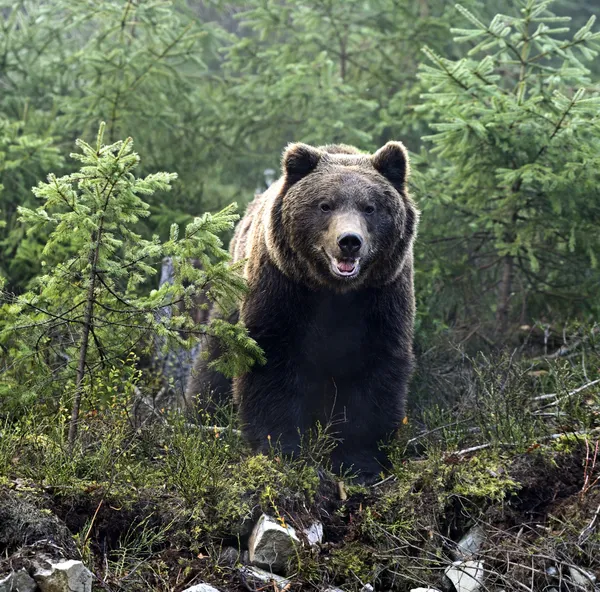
(345, 267)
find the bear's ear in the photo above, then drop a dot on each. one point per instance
(299, 160)
(391, 161)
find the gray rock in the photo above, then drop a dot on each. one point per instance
(64, 576)
(367, 588)
(314, 533)
(471, 543)
(466, 576)
(255, 575)
(582, 578)
(18, 581)
(6, 582)
(201, 588)
(271, 545)
(228, 556)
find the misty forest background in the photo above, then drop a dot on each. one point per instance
(499, 106)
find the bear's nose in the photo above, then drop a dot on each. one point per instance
(350, 243)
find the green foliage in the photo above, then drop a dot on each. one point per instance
(214, 91)
(209, 467)
(167, 494)
(24, 157)
(513, 187)
(136, 66)
(484, 478)
(90, 308)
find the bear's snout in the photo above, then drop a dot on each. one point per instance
(349, 243)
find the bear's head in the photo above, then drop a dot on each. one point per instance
(341, 219)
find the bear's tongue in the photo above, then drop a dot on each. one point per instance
(346, 266)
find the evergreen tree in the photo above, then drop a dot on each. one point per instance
(142, 66)
(511, 204)
(90, 310)
(24, 157)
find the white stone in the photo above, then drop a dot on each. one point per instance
(466, 576)
(424, 590)
(471, 543)
(18, 581)
(314, 533)
(201, 588)
(582, 578)
(64, 576)
(271, 545)
(256, 575)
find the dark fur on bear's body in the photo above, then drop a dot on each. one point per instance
(335, 325)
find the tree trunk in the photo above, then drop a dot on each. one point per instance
(83, 349)
(504, 292)
(176, 363)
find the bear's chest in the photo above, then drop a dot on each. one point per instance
(334, 334)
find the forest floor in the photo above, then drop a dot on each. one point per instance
(166, 505)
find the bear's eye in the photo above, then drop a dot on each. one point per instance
(325, 207)
(370, 210)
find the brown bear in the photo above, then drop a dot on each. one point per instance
(329, 266)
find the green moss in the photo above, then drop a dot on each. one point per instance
(354, 560)
(566, 443)
(483, 477)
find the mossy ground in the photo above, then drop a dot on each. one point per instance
(169, 504)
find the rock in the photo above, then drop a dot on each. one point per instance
(552, 571)
(367, 588)
(228, 556)
(201, 588)
(255, 575)
(466, 576)
(271, 545)
(64, 576)
(424, 590)
(470, 544)
(314, 533)
(582, 578)
(18, 581)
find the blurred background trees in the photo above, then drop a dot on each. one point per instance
(505, 147)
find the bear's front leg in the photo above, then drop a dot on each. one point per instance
(373, 411)
(272, 406)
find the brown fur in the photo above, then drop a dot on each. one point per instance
(297, 303)
(262, 234)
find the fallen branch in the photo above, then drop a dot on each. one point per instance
(587, 531)
(509, 445)
(215, 429)
(570, 394)
(567, 349)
